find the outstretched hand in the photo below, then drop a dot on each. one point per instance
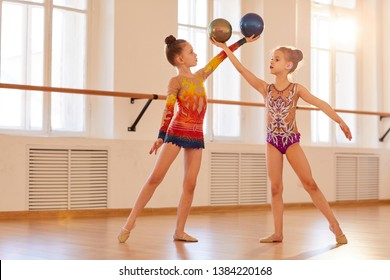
(216, 43)
(252, 38)
(222, 45)
(346, 130)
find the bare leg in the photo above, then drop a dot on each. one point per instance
(300, 164)
(167, 155)
(275, 174)
(192, 162)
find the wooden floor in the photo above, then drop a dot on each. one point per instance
(223, 235)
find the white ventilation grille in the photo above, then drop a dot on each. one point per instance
(66, 179)
(357, 177)
(238, 178)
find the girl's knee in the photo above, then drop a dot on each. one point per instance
(155, 180)
(276, 189)
(310, 186)
(189, 187)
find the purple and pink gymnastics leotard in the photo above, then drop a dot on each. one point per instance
(185, 128)
(281, 106)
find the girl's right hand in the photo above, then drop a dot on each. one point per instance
(218, 44)
(223, 45)
(156, 145)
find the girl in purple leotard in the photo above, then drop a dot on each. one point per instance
(281, 99)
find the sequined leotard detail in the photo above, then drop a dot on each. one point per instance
(281, 106)
(185, 128)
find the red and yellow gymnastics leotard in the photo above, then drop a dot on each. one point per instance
(185, 128)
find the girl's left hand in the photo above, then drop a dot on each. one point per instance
(252, 38)
(222, 45)
(156, 145)
(346, 130)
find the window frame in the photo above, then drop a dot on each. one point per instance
(211, 51)
(46, 130)
(333, 11)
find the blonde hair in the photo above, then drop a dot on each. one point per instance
(291, 54)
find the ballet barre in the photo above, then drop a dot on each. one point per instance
(150, 97)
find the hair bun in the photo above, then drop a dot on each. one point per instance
(170, 39)
(298, 55)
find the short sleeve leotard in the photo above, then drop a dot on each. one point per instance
(281, 106)
(185, 128)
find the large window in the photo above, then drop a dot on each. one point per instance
(43, 42)
(223, 121)
(334, 65)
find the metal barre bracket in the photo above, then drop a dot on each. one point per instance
(134, 125)
(387, 132)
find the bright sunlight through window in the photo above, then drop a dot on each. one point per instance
(43, 42)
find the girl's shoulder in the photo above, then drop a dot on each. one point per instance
(301, 90)
(298, 87)
(174, 84)
(181, 77)
(268, 86)
(200, 74)
(175, 78)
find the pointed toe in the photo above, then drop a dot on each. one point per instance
(185, 238)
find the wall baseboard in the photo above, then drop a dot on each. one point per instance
(123, 212)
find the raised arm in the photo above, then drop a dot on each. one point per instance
(217, 60)
(324, 107)
(258, 84)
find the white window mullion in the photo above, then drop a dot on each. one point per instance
(25, 100)
(27, 71)
(210, 109)
(27, 53)
(47, 65)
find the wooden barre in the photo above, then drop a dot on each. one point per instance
(163, 97)
(82, 91)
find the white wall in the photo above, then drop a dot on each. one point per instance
(128, 55)
(101, 67)
(384, 17)
(130, 164)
